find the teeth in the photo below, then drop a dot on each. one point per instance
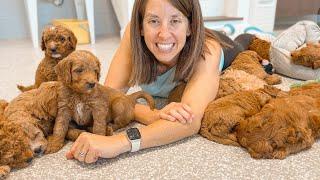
(164, 47)
(56, 55)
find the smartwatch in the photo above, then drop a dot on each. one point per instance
(134, 137)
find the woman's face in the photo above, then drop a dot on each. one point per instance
(165, 30)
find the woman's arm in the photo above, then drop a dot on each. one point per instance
(197, 95)
(118, 77)
(120, 67)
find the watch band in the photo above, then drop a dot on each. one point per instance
(134, 138)
(135, 145)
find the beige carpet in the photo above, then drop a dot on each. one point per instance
(191, 158)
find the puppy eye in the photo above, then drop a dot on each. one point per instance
(62, 39)
(79, 70)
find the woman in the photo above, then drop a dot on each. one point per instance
(165, 44)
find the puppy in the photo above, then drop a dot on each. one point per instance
(308, 56)
(250, 62)
(35, 111)
(245, 73)
(57, 43)
(284, 126)
(14, 145)
(261, 47)
(86, 102)
(222, 115)
(231, 81)
(15, 151)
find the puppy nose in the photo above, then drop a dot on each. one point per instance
(53, 49)
(29, 160)
(38, 150)
(91, 85)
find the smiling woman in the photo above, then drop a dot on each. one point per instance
(164, 44)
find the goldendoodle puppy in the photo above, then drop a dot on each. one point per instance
(222, 115)
(308, 56)
(283, 126)
(57, 43)
(15, 151)
(261, 47)
(86, 102)
(250, 62)
(245, 73)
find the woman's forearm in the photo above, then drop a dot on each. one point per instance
(160, 132)
(163, 132)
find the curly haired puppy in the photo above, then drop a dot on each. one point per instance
(231, 81)
(250, 62)
(15, 151)
(35, 111)
(57, 43)
(86, 102)
(261, 47)
(283, 126)
(222, 115)
(308, 56)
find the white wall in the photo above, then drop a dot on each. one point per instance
(14, 21)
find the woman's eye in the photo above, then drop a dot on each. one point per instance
(175, 21)
(153, 21)
(80, 70)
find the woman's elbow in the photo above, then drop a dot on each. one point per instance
(195, 125)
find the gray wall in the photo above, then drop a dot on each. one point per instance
(14, 20)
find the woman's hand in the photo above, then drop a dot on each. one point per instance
(177, 112)
(89, 147)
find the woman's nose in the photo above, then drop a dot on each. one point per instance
(164, 31)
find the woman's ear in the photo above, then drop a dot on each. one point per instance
(63, 70)
(188, 30)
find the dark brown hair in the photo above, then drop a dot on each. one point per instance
(144, 64)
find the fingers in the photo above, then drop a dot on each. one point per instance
(83, 152)
(167, 117)
(92, 156)
(177, 115)
(75, 147)
(177, 112)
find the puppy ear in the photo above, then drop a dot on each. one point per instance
(72, 40)
(43, 45)
(99, 69)
(64, 70)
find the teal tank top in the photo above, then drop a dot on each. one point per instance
(164, 83)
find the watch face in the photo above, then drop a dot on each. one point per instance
(133, 133)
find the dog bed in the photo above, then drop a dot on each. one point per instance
(290, 40)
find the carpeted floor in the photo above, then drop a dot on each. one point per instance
(191, 158)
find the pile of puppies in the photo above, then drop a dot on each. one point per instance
(66, 89)
(268, 122)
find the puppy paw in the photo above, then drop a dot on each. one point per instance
(54, 145)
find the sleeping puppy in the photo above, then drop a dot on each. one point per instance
(222, 115)
(86, 102)
(284, 126)
(57, 43)
(308, 56)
